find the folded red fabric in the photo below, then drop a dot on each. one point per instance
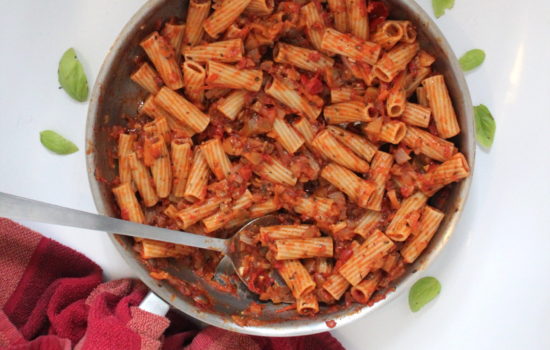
(51, 297)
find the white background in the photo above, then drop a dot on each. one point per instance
(494, 271)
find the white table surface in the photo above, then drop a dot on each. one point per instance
(495, 269)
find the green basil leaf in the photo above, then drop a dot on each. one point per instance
(72, 77)
(440, 6)
(57, 143)
(472, 59)
(485, 126)
(422, 292)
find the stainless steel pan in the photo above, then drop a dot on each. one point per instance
(115, 94)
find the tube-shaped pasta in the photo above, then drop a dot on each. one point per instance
(315, 25)
(150, 108)
(388, 34)
(336, 285)
(161, 169)
(379, 173)
(362, 292)
(423, 142)
(231, 105)
(358, 266)
(260, 7)
(220, 218)
(340, 14)
(224, 16)
(274, 171)
(163, 57)
(142, 179)
(195, 189)
(395, 61)
(292, 99)
(367, 223)
(350, 46)
(197, 13)
(303, 248)
(216, 158)
(357, 143)
(260, 209)
(229, 51)
(197, 212)
(413, 81)
(305, 129)
(328, 146)
(300, 57)
(318, 208)
(409, 32)
(421, 97)
(181, 162)
(345, 94)
(152, 249)
(128, 203)
(347, 112)
(174, 34)
(441, 106)
(416, 115)
(358, 19)
(277, 232)
(395, 104)
(307, 304)
(357, 189)
(296, 277)
(401, 225)
(287, 136)
(393, 132)
(183, 110)
(194, 76)
(452, 170)
(147, 78)
(224, 75)
(125, 147)
(429, 222)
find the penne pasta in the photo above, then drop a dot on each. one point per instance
(367, 223)
(163, 57)
(402, 223)
(196, 212)
(274, 171)
(292, 99)
(441, 106)
(345, 94)
(307, 304)
(357, 189)
(328, 146)
(362, 292)
(395, 104)
(422, 142)
(300, 57)
(181, 163)
(315, 25)
(226, 76)
(296, 277)
(147, 78)
(357, 143)
(223, 216)
(156, 249)
(183, 110)
(270, 234)
(452, 170)
(336, 285)
(216, 158)
(224, 16)
(348, 112)
(196, 15)
(350, 46)
(160, 166)
(125, 147)
(340, 14)
(228, 51)
(430, 220)
(393, 132)
(415, 114)
(174, 34)
(318, 208)
(388, 34)
(395, 61)
(128, 203)
(409, 32)
(150, 108)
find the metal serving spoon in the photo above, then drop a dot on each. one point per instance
(15, 207)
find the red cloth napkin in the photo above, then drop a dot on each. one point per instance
(52, 297)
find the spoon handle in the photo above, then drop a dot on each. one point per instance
(15, 207)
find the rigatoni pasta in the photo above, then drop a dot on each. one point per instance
(339, 127)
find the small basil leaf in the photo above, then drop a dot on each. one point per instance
(472, 59)
(440, 6)
(485, 126)
(57, 143)
(422, 292)
(72, 77)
